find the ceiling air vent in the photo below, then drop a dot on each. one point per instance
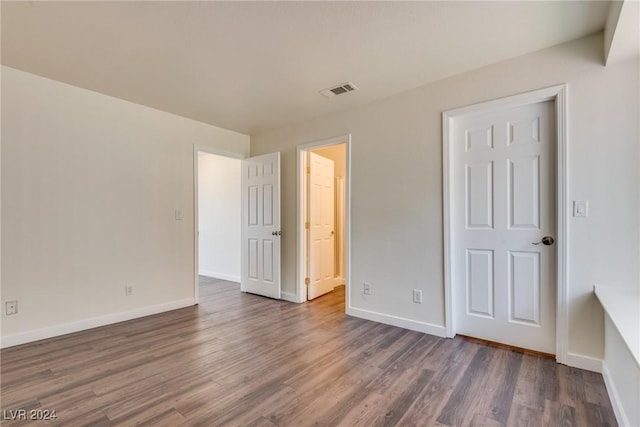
(339, 90)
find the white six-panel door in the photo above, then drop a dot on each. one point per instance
(321, 214)
(261, 232)
(504, 204)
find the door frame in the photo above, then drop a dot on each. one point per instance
(558, 95)
(199, 148)
(301, 181)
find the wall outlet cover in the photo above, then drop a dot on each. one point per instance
(417, 296)
(11, 307)
(366, 288)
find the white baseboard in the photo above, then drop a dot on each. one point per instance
(221, 276)
(614, 396)
(584, 362)
(93, 322)
(288, 296)
(401, 322)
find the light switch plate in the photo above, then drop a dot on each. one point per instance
(580, 208)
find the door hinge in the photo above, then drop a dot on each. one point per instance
(307, 225)
(307, 281)
(308, 169)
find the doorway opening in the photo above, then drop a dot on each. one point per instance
(217, 216)
(323, 218)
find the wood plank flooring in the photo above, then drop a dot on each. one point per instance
(243, 360)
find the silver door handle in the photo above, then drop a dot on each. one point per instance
(546, 240)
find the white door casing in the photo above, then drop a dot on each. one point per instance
(301, 217)
(321, 219)
(261, 232)
(340, 215)
(504, 201)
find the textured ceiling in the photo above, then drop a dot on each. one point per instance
(246, 66)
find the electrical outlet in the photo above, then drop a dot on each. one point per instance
(417, 296)
(128, 291)
(366, 288)
(11, 307)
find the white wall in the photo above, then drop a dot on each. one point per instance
(90, 186)
(396, 204)
(219, 216)
(621, 364)
(621, 372)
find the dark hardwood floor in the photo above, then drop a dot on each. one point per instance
(243, 360)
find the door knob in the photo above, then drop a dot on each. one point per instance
(546, 240)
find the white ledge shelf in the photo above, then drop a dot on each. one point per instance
(623, 308)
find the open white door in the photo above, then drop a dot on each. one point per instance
(321, 226)
(261, 225)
